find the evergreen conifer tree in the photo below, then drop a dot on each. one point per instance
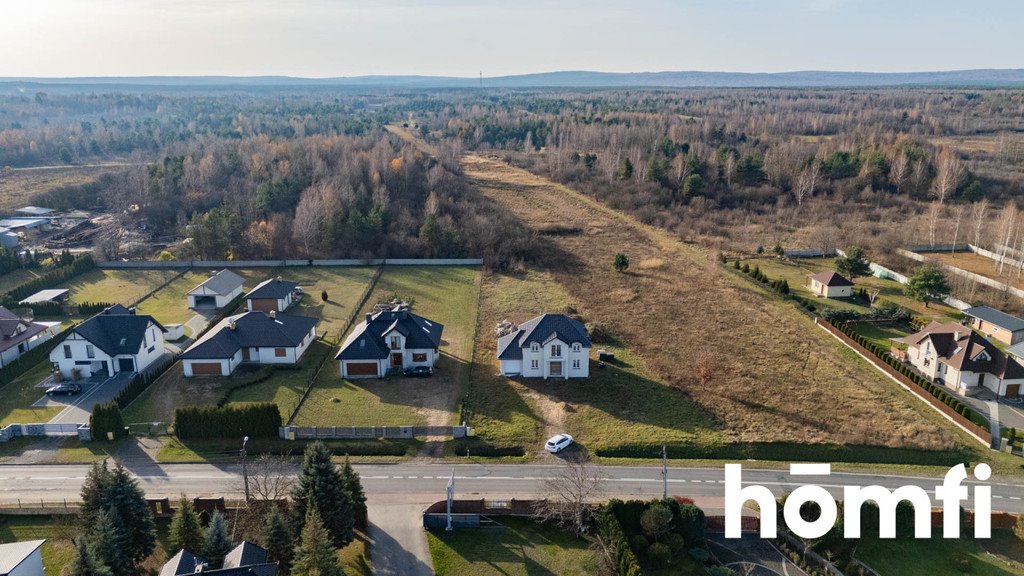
(277, 538)
(217, 542)
(186, 531)
(314, 554)
(320, 484)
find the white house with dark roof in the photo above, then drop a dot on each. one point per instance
(274, 294)
(18, 335)
(22, 558)
(996, 324)
(216, 291)
(830, 284)
(252, 338)
(115, 340)
(960, 358)
(246, 559)
(390, 339)
(548, 346)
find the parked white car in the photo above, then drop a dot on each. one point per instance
(556, 444)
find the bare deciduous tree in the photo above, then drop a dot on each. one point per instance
(949, 171)
(899, 170)
(978, 211)
(933, 221)
(956, 230)
(571, 494)
(807, 182)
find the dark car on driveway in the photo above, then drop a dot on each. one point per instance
(68, 388)
(418, 372)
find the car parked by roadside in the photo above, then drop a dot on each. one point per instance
(557, 443)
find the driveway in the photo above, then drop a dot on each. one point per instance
(1000, 413)
(398, 542)
(78, 408)
(752, 555)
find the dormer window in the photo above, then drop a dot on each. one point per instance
(576, 347)
(983, 356)
(534, 347)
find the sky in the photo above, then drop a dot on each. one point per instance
(329, 38)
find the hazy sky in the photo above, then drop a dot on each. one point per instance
(322, 38)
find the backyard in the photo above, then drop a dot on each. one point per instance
(516, 546)
(116, 286)
(979, 264)
(17, 397)
(1003, 555)
(169, 305)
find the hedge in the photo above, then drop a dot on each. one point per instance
(623, 558)
(29, 359)
(92, 308)
(479, 447)
(106, 419)
(81, 264)
(258, 420)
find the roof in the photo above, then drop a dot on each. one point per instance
(255, 329)
(542, 329)
(997, 317)
(961, 348)
(13, 554)
(274, 288)
(184, 562)
(10, 336)
(366, 341)
(222, 283)
(20, 222)
(45, 296)
(116, 330)
(34, 210)
(246, 554)
(830, 278)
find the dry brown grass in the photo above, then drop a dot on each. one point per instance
(19, 187)
(782, 379)
(651, 264)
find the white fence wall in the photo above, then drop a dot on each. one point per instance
(184, 264)
(12, 431)
(960, 271)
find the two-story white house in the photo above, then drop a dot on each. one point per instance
(390, 339)
(548, 346)
(115, 340)
(250, 338)
(18, 335)
(961, 359)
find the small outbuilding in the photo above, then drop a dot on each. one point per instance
(996, 324)
(830, 285)
(217, 291)
(22, 558)
(50, 295)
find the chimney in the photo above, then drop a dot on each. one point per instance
(273, 313)
(405, 314)
(232, 325)
(369, 317)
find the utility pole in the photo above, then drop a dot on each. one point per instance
(245, 469)
(451, 495)
(664, 473)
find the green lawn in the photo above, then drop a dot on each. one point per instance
(172, 391)
(344, 286)
(286, 386)
(443, 294)
(116, 286)
(881, 335)
(1001, 556)
(16, 398)
(17, 278)
(796, 271)
(518, 547)
(58, 531)
(170, 304)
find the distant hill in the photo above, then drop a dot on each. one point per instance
(569, 79)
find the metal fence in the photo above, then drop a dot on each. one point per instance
(369, 432)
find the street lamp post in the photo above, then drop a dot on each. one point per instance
(245, 469)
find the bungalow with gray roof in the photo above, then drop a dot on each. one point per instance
(548, 346)
(996, 324)
(251, 337)
(274, 294)
(389, 339)
(217, 291)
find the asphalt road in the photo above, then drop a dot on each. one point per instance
(414, 482)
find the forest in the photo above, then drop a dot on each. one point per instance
(315, 173)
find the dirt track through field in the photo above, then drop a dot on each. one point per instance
(777, 378)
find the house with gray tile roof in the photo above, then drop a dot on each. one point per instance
(996, 324)
(115, 340)
(217, 291)
(246, 559)
(18, 335)
(249, 338)
(275, 294)
(389, 340)
(548, 346)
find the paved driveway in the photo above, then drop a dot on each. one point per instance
(397, 540)
(78, 408)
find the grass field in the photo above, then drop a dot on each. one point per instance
(16, 398)
(116, 286)
(14, 279)
(169, 305)
(778, 378)
(1003, 555)
(285, 387)
(517, 547)
(979, 265)
(20, 187)
(796, 271)
(344, 286)
(447, 295)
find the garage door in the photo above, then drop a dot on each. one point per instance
(264, 304)
(1013, 389)
(362, 368)
(206, 369)
(126, 365)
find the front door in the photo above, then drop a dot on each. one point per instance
(246, 357)
(396, 360)
(555, 369)
(981, 379)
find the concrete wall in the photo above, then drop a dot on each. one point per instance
(184, 264)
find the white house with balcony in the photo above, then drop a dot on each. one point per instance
(959, 358)
(389, 340)
(548, 346)
(115, 340)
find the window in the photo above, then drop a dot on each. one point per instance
(556, 350)
(144, 342)
(396, 343)
(534, 364)
(576, 364)
(90, 352)
(280, 352)
(576, 347)
(535, 347)
(419, 357)
(67, 351)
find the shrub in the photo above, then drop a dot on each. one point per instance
(259, 420)
(91, 308)
(746, 268)
(699, 554)
(106, 420)
(621, 262)
(638, 544)
(659, 555)
(676, 543)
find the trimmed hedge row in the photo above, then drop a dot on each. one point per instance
(81, 264)
(29, 359)
(258, 420)
(482, 448)
(610, 531)
(139, 383)
(936, 391)
(106, 419)
(91, 308)
(779, 285)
